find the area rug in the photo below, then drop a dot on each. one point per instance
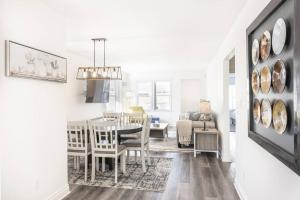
(155, 178)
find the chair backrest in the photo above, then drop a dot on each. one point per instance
(112, 116)
(104, 135)
(132, 118)
(77, 135)
(146, 130)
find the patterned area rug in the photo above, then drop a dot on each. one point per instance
(155, 178)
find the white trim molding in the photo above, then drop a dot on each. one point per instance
(241, 192)
(60, 194)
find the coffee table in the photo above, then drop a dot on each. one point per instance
(160, 131)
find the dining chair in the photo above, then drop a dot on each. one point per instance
(112, 116)
(140, 144)
(78, 144)
(130, 119)
(104, 142)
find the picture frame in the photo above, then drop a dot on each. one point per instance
(23, 61)
(285, 147)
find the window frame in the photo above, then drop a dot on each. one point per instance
(155, 96)
(151, 95)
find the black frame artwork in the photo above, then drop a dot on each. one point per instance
(284, 147)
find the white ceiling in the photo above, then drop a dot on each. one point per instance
(181, 34)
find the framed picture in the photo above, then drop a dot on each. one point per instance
(273, 57)
(28, 62)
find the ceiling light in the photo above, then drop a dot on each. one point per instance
(99, 73)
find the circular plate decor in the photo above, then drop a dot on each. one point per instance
(255, 81)
(279, 36)
(279, 117)
(255, 52)
(279, 77)
(256, 111)
(265, 45)
(265, 79)
(266, 113)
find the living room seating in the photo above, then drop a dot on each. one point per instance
(203, 119)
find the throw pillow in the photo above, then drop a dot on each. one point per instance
(205, 117)
(194, 116)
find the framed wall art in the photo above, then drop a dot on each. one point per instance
(28, 62)
(274, 89)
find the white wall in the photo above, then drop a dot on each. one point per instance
(191, 93)
(259, 175)
(77, 109)
(175, 77)
(33, 112)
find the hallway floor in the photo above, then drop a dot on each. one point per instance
(191, 178)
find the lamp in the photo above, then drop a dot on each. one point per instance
(99, 73)
(205, 107)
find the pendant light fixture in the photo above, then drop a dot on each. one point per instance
(99, 73)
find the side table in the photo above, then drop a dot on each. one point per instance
(206, 141)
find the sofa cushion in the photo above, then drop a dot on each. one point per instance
(194, 116)
(206, 117)
(210, 124)
(197, 124)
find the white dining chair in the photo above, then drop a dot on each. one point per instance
(140, 144)
(78, 144)
(112, 116)
(104, 142)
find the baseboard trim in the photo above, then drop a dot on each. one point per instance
(224, 158)
(239, 190)
(60, 194)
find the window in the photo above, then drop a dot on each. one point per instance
(144, 94)
(154, 95)
(114, 104)
(162, 95)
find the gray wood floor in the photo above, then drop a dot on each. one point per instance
(201, 178)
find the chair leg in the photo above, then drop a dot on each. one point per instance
(103, 164)
(148, 155)
(123, 160)
(93, 168)
(143, 160)
(97, 164)
(85, 167)
(116, 169)
(128, 152)
(78, 163)
(75, 162)
(135, 155)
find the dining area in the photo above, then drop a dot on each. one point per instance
(108, 142)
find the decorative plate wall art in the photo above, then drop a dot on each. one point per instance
(255, 52)
(277, 29)
(279, 117)
(265, 45)
(265, 79)
(256, 111)
(279, 36)
(255, 81)
(279, 77)
(266, 113)
(28, 62)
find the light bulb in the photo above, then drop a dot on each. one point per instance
(94, 74)
(84, 74)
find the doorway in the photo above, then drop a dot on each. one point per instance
(232, 107)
